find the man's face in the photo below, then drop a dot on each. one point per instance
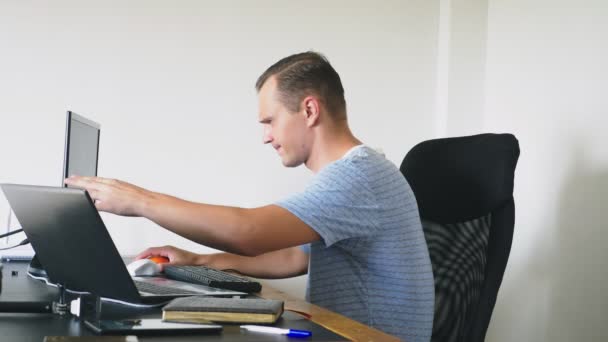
(284, 130)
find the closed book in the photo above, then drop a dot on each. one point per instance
(235, 310)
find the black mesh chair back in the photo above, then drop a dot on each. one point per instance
(464, 189)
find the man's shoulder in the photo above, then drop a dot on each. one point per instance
(359, 162)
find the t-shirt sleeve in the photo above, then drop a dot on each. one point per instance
(338, 205)
(305, 248)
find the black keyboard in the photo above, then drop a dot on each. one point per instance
(210, 277)
(161, 289)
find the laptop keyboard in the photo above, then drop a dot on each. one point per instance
(211, 277)
(160, 289)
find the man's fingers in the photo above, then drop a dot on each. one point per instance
(94, 193)
(90, 180)
(80, 179)
(148, 252)
(107, 181)
(101, 206)
(143, 255)
(75, 181)
(83, 182)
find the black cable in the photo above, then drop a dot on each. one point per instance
(11, 233)
(24, 242)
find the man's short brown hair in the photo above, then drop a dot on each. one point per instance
(303, 74)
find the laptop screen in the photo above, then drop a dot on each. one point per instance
(81, 146)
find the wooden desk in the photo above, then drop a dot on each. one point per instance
(332, 321)
(33, 327)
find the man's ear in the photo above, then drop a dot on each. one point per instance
(311, 110)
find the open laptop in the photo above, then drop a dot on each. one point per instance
(75, 248)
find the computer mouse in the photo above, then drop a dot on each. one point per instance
(143, 267)
(159, 259)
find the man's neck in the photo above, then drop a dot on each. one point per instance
(329, 148)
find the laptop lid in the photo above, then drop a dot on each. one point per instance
(75, 248)
(71, 240)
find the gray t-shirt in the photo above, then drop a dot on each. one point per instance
(372, 262)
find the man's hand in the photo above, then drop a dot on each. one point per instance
(112, 195)
(175, 255)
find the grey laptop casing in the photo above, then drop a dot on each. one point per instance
(74, 246)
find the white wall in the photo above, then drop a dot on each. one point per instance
(461, 58)
(546, 81)
(538, 69)
(172, 83)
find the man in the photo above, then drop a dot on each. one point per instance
(357, 222)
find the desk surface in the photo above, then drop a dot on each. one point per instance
(330, 320)
(33, 327)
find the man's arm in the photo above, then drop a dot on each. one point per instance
(284, 263)
(247, 232)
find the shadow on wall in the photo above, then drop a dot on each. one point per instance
(578, 301)
(558, 292)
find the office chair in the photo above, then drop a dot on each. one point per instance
(464, 189)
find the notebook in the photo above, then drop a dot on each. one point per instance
(235, 310)
(75, 248)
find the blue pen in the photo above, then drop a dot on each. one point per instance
(278, 331)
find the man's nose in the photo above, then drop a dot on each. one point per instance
(266, 136)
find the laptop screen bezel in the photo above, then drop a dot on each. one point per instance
(70, 118)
